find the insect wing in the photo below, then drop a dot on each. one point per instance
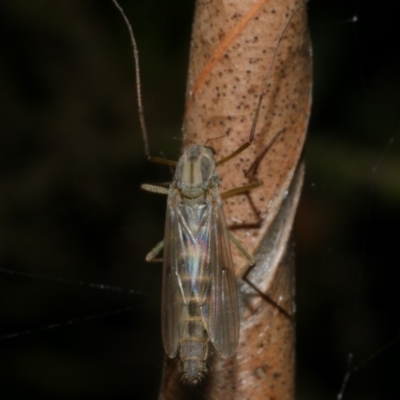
(198, 267)
(186, 269)
(223, 312)
(172, 310)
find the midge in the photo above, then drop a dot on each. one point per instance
(199, 294)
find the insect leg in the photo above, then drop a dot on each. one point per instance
(161, 160)
(251, 284)
(154, 188)
(266, 297)
(240, 189)
(151, 256)
(241, 249)
(235, 153)
(263, 93)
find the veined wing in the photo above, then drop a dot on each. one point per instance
(172, 312)
(186, 269)
(222, 313)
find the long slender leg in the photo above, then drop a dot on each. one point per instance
(241, 249)
(158, 160)
(161, 160)
(267, 298)
(240, 189)
(235, 153)
(151, 256)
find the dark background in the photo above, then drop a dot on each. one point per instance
(71, 162)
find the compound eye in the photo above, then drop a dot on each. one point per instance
(206, 169)
(179, 171)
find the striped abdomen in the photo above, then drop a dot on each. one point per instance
(193, 345)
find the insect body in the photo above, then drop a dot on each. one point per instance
(199, 300)
(199, 297)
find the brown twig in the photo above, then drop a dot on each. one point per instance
(232, 51)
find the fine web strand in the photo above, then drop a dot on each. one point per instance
(91, 285)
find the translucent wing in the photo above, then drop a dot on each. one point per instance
(186, 269)
(198, 269)
(222, 312)
(172, 312)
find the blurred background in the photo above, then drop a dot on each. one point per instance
(72, 162)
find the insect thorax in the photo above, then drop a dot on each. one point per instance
(195, 171)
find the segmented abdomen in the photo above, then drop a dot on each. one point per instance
(193, 345)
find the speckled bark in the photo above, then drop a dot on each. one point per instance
(232, 51)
